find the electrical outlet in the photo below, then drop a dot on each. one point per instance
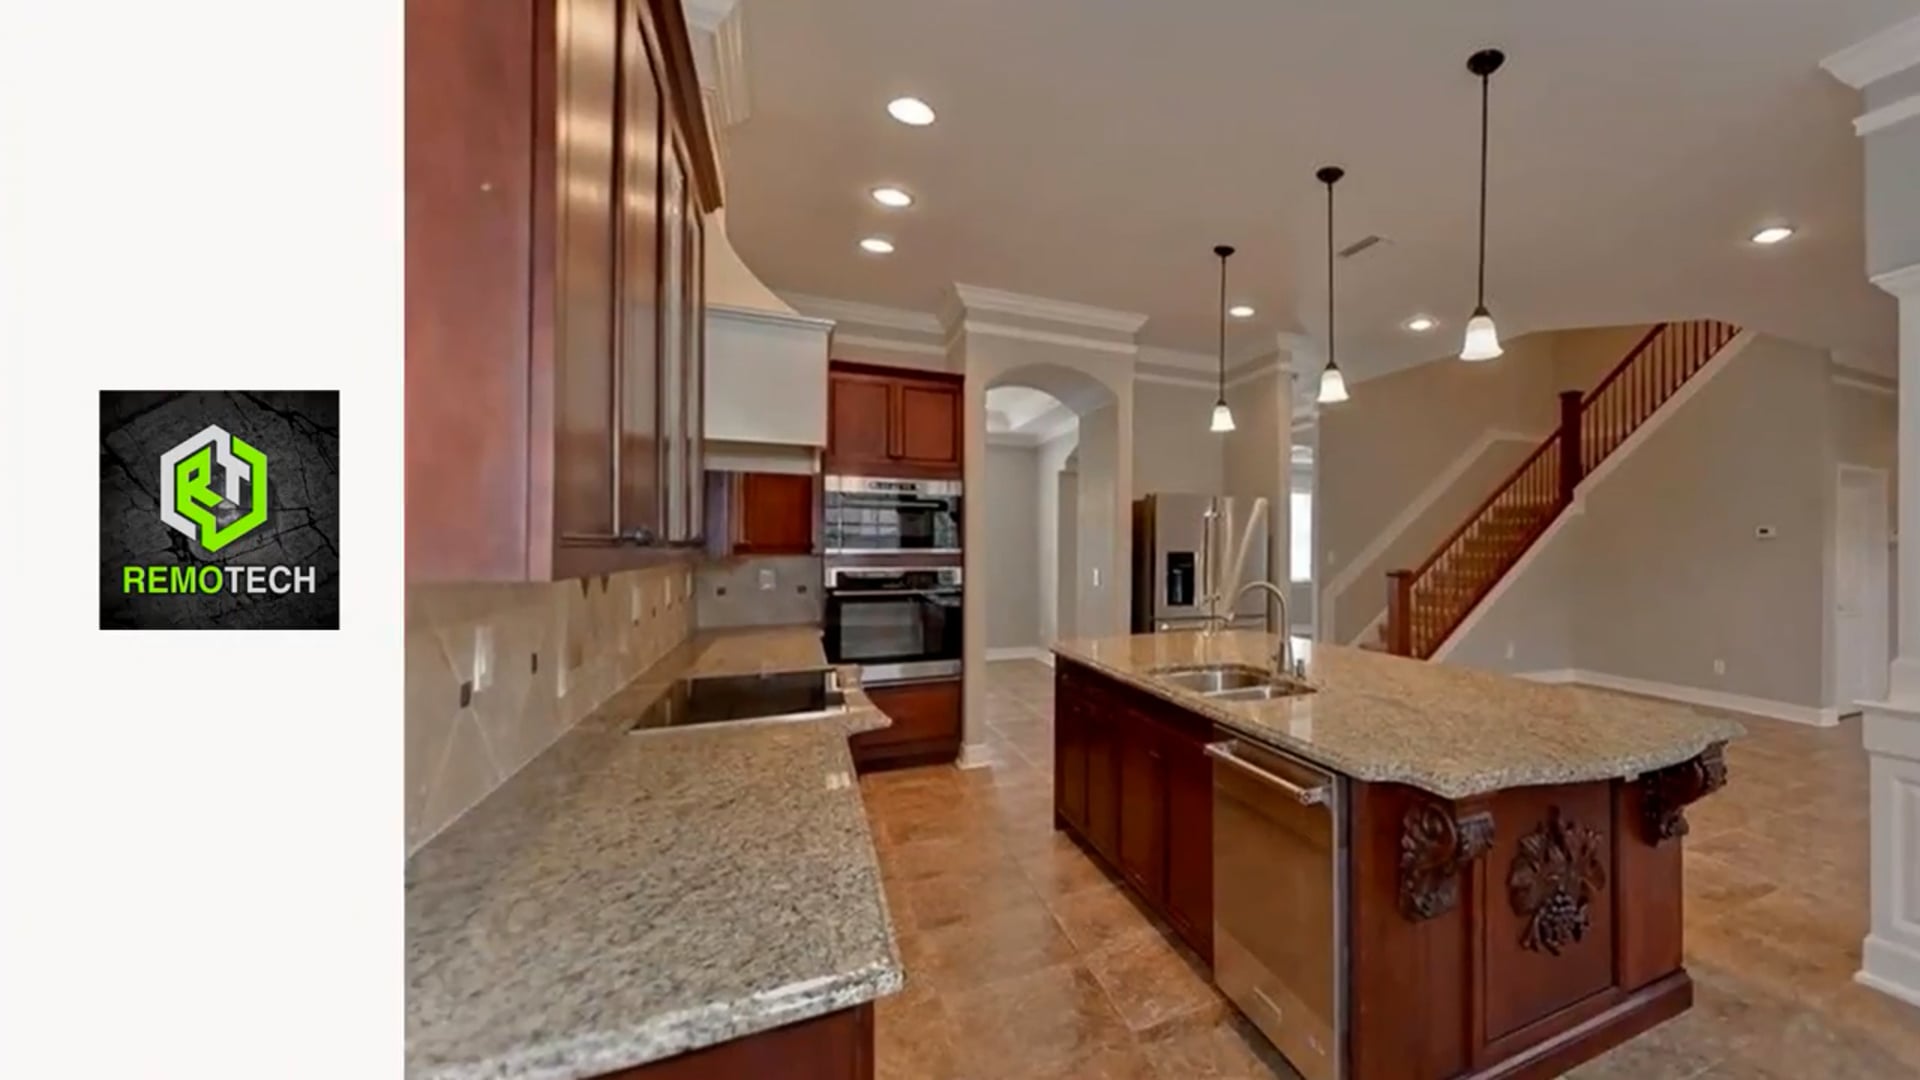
(633, 605)
(482, 657)
(1096, 577)
(1510, 650)
(1719, 667)
(767, 581)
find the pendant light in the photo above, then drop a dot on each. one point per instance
(1483, 340)
(1222, 416)
(1333, 385)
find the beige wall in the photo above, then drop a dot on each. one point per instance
(1010, 503)
(1672, 577)
(1403, 432)
(1257, 458)
(1172, 449)
(587, 642)
(1660, 574)
(1049, 458)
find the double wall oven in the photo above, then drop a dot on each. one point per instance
(893, 579)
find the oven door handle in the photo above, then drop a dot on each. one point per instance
(905, 594)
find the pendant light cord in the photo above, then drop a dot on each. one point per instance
(1485, 82)
(1330, 360)
(1223, 328)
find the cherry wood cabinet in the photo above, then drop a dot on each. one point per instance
(558, 169)
(761, 513)
(889, 421)
(925, 730)
(1133, 782)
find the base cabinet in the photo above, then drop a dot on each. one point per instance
(925, 730)
(1132, 781)
(837, 1046)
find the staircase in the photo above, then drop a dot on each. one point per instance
(1426, 604)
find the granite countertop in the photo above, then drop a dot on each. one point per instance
(1449, 730)
(630, 896)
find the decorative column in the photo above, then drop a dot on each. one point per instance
(1881, 68)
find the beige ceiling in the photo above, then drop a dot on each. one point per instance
(1095, 151)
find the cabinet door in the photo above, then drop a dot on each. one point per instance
(1190, 843)
(697, 378)
(1143, 807)
(927, 422)
(1070, 763)
(641, 126)
(775, 513)
(583, 460)
(859, 418)
(673, 341)
(1103, 780)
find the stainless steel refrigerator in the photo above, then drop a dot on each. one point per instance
(1183, 549)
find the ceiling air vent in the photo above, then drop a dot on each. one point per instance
(1360, 245)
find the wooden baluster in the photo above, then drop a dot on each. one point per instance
(1400, 612)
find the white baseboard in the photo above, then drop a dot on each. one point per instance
(1891, 968)
(1020, 652)
(974, 755)
(1692, 695)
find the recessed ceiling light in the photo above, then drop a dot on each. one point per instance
(1420, 324)
(891, 196)
(911, 110)
(1773, 234)
(877, 246)
(1240, 311)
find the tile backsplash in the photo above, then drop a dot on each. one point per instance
(496, 673)
(761, 590)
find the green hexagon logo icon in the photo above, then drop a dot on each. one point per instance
(189, 503)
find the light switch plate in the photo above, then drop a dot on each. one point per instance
(482, 657)
(767, 580)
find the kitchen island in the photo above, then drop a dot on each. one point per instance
(662, 904)
(1397, 869)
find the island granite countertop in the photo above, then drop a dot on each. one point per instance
(1452, 731)
(631, 896)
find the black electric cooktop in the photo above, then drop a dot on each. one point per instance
(721, 698)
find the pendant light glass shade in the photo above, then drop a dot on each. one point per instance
(1333, 386)
(1222, 416)
(1483, 338)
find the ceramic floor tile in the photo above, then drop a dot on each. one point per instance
(1045, 1018)
(1151, 981)
(1220, 1045)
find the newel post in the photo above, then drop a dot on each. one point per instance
(1400, 612)
(1569, 444)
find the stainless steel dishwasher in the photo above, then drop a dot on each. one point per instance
(1279, 900)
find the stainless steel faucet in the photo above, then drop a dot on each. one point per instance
(1282, 652)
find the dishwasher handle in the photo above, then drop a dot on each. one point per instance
(1305, 796)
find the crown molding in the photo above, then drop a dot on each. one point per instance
(1888, 52)
(1863, 384)
(1896, 112)
(1904, 282)
(1194, 382)
(1045, 337)
(852, 311)
(732, 94)
(776, 318)
(974, 298)
(869, 341)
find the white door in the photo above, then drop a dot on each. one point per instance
(1862, 609)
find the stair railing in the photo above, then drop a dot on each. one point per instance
(1426, 604)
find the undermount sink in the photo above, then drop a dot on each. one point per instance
(1263, 692)
(1214, 679)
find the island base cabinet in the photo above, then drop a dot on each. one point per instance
(1514, 934)
(837, 1046)
(924, 730)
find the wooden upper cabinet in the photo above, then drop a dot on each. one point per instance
(641, 130)
(884, 421)
(774, 514)
(539, 441)
(859, 419)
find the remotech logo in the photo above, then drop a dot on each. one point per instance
(191, 506)
(187, 499)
